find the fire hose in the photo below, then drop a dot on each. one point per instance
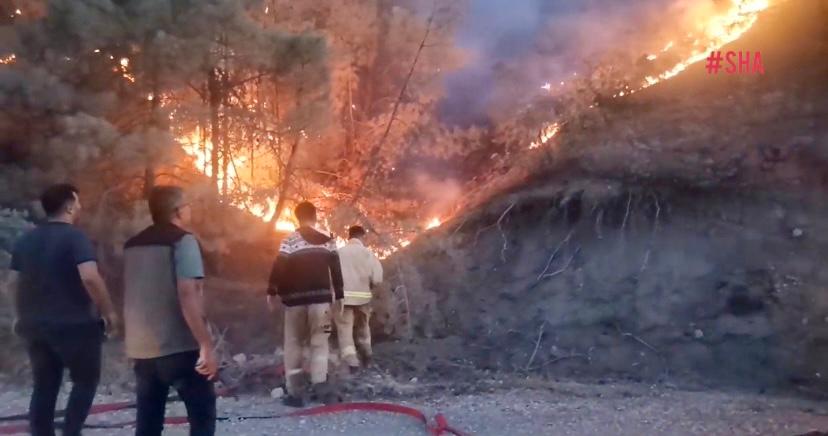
(439, 427)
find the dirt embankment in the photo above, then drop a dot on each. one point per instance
(680, 235)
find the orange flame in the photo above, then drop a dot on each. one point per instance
(191, 145)
(433, 223)
(719, 31)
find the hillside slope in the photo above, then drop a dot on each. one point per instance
(676, 235)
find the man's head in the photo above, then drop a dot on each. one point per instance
(356, 232)
(305, 213)
(168, 205)
(61, 202)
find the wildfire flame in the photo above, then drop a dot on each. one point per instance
(7, 60)
(433, 223)
(201, 153)
(719, 31)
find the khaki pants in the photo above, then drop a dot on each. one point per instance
(306, 327)
(352, 322)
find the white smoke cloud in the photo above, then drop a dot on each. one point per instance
(439, 194)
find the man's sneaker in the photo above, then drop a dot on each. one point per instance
(291, 401)
(353, 369)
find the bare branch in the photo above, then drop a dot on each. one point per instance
(639, 340)
(563, 268)
(554, 253)
(502, 234)
(537, 345)
(627, 213)
(374, 155)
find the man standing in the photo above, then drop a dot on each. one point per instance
(361, 272)
(303, 275)
(59, 298)
(166, 329)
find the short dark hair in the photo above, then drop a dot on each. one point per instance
(356, 232)
(164, 201)
(305, 211)
(55, 198)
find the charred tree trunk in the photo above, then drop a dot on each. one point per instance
(373, 83)
(149, 170)
(284, 188)
(215, 97)
(287, 172)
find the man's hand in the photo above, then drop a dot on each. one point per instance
(207, 364)
(112, 323)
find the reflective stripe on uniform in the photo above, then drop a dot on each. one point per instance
(358, 294)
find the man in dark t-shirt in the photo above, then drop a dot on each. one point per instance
(62, 308)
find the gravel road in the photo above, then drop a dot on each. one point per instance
(554, 409)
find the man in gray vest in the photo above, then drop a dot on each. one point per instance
(165, 326)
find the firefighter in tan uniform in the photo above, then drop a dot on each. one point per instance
(307, 277)
(361, 272)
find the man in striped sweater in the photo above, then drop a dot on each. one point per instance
(307, 277)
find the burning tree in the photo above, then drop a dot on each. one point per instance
(271, 102)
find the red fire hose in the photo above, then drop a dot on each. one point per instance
(439, 428)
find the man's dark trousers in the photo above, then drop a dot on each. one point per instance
(51, 350)
(154, 379)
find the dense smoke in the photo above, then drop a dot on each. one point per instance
(517, 47)
(439, 194)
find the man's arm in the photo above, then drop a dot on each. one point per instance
(191, 297)
(96, 287)
(189, 271)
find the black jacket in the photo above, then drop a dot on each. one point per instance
(306, 269)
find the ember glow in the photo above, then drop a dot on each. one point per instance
(434, 222)
(546, 135)
(8, 60)
(718, 31)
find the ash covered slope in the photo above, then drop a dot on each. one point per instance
(678, 235)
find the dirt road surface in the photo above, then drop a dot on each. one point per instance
(556, 409)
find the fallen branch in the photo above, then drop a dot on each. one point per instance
(639, 340)
(554, 253)
(558, 359)
(537, 345)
